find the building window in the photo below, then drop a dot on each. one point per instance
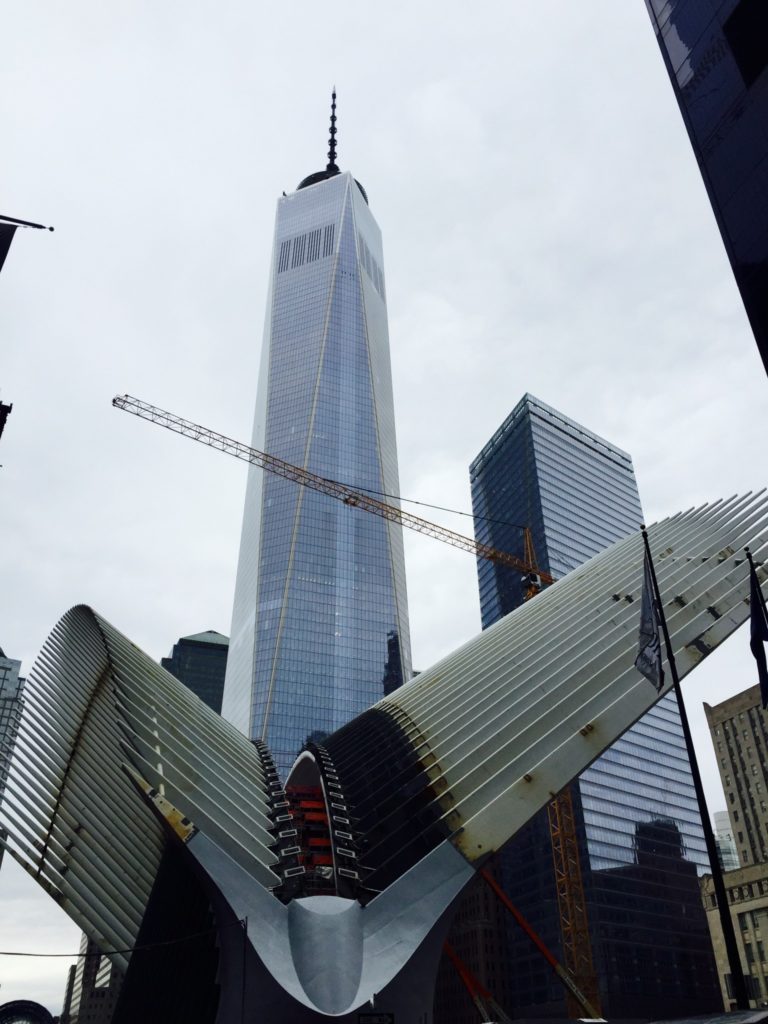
(746, 31)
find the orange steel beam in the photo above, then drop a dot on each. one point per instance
(479, 994)
(567, 979)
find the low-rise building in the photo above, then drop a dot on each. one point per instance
(747, 890)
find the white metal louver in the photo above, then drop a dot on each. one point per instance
(94, 701)
(499, 726)
(519, 711)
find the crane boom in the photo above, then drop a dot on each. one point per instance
(334, 489)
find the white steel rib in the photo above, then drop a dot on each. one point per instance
(77, 823)
(497, 728)
(523, 708)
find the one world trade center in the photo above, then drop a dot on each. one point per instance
(320, 619)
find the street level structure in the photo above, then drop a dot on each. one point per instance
(747, 893)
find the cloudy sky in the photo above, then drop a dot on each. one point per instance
(545, 230)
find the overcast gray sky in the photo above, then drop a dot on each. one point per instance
(545, 230)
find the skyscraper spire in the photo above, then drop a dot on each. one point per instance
(331, 168)
(332, 140)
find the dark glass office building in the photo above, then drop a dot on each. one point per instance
(638, 828)
(200, 661)
(320, 621)
(716, 54)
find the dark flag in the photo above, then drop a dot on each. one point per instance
(6, 237)
(648, 660)
(758, 631)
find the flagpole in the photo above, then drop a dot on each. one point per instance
(758, 628)
(738, 980)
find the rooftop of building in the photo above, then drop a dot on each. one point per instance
(208, 636)
(738, 703)
(530, 405)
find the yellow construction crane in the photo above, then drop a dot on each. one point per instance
(584, 994)
(534, 577)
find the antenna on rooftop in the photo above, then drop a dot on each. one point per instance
(332, 140)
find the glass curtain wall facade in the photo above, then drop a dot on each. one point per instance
(639, 831)
(716, 55)
(320, 622)
(200, 662)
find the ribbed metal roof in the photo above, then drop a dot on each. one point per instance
(94, 702)
(496, 728)
(523, 708)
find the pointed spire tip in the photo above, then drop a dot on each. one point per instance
(332, 166)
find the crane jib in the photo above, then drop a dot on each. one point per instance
(535, 577)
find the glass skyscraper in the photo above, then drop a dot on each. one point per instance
(716, 55)
(638, 827)
(320, 621)
(200, 662)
